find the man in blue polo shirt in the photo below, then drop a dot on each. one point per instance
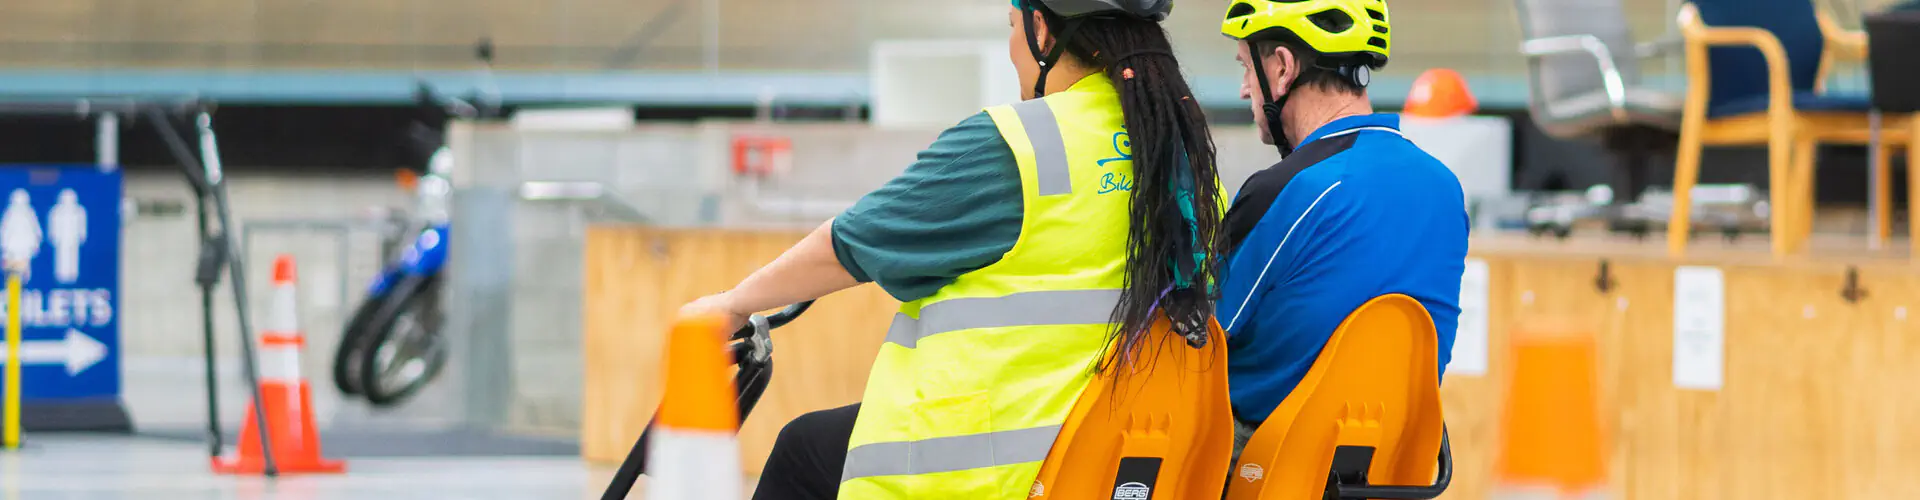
(1353, 211)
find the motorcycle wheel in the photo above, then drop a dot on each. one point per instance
(353, 340)
(404, 349)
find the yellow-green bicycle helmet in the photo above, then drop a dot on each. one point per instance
(1352, 31)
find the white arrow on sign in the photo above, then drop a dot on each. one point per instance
(78, 351)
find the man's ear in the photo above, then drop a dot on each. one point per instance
(1282, 68)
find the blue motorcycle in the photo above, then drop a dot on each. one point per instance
(393, 344)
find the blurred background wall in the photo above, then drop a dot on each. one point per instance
(315, 97)
(825, 40)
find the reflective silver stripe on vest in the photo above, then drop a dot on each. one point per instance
(947, 454)
(1065, 307)
(1049, 150)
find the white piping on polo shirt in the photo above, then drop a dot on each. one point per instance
(1296, 224)
(1276, 254)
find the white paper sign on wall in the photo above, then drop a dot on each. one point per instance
(1699, 328)
(1470, 340)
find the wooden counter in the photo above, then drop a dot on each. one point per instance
(637, 278)
(1819, 398)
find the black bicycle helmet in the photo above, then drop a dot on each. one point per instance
(1071, 10)
(1151, 10)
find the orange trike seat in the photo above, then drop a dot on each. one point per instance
(1160, 430)
(1365, 422)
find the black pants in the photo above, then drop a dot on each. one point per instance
(808, 455)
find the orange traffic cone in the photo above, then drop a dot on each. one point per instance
(1552, 444)
(1440, 93)
(694, 453)
(287, 401)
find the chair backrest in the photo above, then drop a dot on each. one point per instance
(1160, 431)
(1565, 76)
(1741, 72)
(1368, 411)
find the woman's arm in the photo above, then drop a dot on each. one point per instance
(956, 209)
(805, 272)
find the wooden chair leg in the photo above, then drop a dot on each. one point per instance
(1805, 151)
(1913, 186)
(1883, 191)
(1780, 187)
(1686, 173)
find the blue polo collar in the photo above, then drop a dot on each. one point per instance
(1376, 120)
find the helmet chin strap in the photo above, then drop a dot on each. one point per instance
(1048, 58)
(1269, 106)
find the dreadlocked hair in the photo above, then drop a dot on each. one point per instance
(1166, 128)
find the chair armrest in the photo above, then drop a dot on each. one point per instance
(1698, 34)
(1571, 44)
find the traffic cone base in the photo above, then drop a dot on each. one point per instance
(694, 454)
(1552, 444)
(296, 445)
(690, 463)
(1544, 492)
(284, 398)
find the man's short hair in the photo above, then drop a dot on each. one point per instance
(1314, 76)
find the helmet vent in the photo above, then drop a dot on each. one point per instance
(1378, 16)
(1240, 10)
(1380, 28)
(1377, 42)
(1332, 20)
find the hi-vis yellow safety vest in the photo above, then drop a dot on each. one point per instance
(974, 382)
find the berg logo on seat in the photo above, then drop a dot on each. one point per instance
(1252, 472)
(1132, 491)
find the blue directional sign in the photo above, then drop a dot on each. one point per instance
(65, 222)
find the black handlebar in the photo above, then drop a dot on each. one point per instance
(753, 352)
(783, 317)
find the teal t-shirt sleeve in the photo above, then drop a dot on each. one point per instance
(956, 209)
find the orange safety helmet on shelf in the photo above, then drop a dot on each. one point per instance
(1440, 93)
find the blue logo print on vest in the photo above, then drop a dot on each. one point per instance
(1123, 151)
(1111, 182)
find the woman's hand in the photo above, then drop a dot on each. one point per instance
(720, 305)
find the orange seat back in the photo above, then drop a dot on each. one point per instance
(1162, 431)
(1373, 389)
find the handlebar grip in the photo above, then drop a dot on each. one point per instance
(775, 320)
(789, 314)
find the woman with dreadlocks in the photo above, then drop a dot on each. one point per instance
(1025, 243)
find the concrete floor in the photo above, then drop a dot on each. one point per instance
(80, 467)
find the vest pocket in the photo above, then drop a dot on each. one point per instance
(934, 459)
